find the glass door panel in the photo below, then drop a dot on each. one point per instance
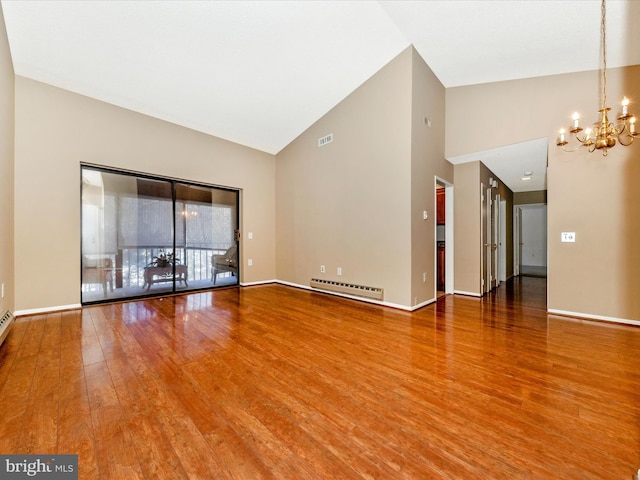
(206, 222)
(127, 230)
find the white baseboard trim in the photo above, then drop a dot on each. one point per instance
(470, 294)
(352, 297)
(36, 311)
(593, 317)
(261, 282)
(423, 304)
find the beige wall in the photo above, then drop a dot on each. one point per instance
(427, 162)
(467, 238)
(6, 170)
(528, 198)
(470, 220)
(56, 130)
(589, 194)
(358, 202)
(347, 204)
(355, 203)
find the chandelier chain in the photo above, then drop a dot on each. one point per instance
(603, 30)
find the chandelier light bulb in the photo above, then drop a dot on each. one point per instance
(625, 107)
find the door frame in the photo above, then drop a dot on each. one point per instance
(448, 236)
(502, 242)
(488, 243)
(517, 242)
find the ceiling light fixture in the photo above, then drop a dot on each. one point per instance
(604, 134)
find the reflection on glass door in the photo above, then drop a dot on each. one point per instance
(146, 236)
(206, 222)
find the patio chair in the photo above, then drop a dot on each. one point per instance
(228, 262)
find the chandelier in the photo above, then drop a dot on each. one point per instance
(604, 134)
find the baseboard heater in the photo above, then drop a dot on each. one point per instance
(348, 288)
(5, 325)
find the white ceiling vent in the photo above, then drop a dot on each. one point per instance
(324, 140)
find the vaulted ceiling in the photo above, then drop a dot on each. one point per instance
(259, 73)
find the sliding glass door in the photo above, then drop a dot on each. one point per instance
(206, 228)
(150, 236)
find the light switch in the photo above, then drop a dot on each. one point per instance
(568, 237)
(250, 235)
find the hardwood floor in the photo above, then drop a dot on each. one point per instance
(276, 382)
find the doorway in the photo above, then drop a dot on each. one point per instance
(493, 255)
(530, 232)
(444, 237)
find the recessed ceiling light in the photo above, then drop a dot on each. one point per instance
(524, 179)
(528, 173)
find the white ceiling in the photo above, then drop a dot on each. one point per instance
(513, 163)
(261, 72)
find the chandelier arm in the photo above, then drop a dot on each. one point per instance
(583, 140)
(586, 140)
(618, 128)
(571, 150)
(630, 137)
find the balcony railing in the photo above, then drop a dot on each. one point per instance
(129, 263)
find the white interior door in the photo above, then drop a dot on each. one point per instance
(483, 242)
(517, 240)
(495, 221)
(448, 275)
(488, 282)
(502, 243)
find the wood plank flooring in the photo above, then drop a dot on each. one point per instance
(276, 382)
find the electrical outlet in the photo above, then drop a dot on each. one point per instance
(424, 277)
(322, 269)
(339, 270)
(250, 262)
(2, 289)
